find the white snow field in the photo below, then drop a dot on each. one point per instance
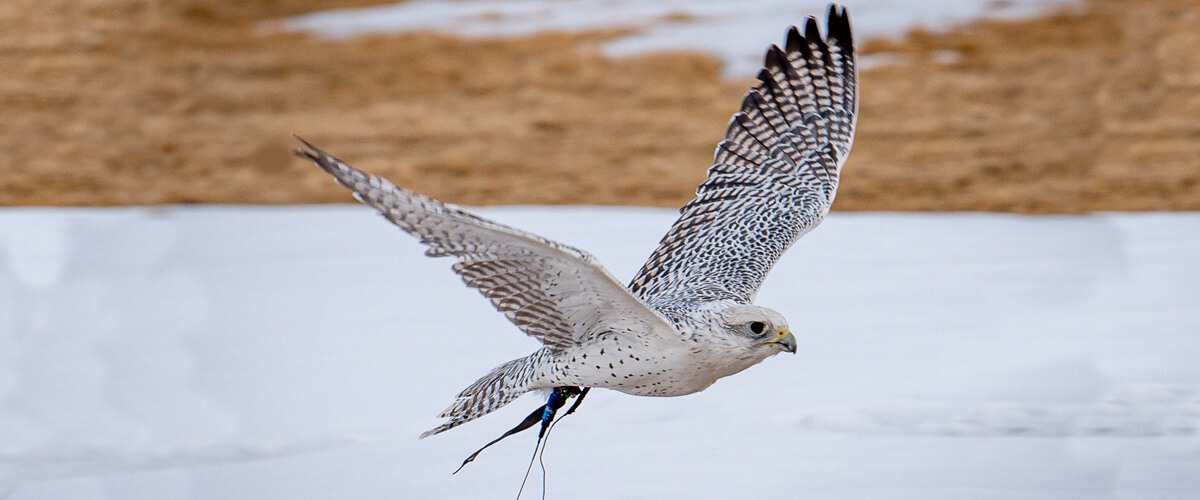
(296, 353)
(738, 32)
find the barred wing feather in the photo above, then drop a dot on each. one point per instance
(774, 176)
(556, 293)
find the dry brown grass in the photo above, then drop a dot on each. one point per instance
(112, 102)
(1091, 109)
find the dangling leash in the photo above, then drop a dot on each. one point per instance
(544, 414)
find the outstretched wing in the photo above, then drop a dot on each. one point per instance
(558, 294)
(774, 177)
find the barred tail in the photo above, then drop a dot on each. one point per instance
(491, 392)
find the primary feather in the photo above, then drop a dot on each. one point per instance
(773, 178)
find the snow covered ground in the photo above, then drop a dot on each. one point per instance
(738, 32)
(272, 353)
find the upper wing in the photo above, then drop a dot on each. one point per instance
(774, 177)
(555, 293)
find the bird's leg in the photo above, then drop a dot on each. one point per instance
(578, 400)
(544, 414)
(558, 398)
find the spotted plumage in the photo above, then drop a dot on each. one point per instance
(687, 318)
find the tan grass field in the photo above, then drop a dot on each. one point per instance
(120, 102)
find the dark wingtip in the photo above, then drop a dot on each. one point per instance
(837, 29)
(812, 33)
(306, 154)
(316, 155)
(794, 40)
(775, 58)
(764, 75)
(836, 10)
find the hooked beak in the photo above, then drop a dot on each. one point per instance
(785, 341)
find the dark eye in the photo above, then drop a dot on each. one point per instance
(758, 327)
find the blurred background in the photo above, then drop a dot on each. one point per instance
(1069, 107)
(296, 351)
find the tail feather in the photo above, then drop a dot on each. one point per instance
(491, 392)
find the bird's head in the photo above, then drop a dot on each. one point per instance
(761, 327)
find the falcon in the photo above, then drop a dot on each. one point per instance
(688, 318)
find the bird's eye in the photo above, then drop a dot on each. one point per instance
(758, 327)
